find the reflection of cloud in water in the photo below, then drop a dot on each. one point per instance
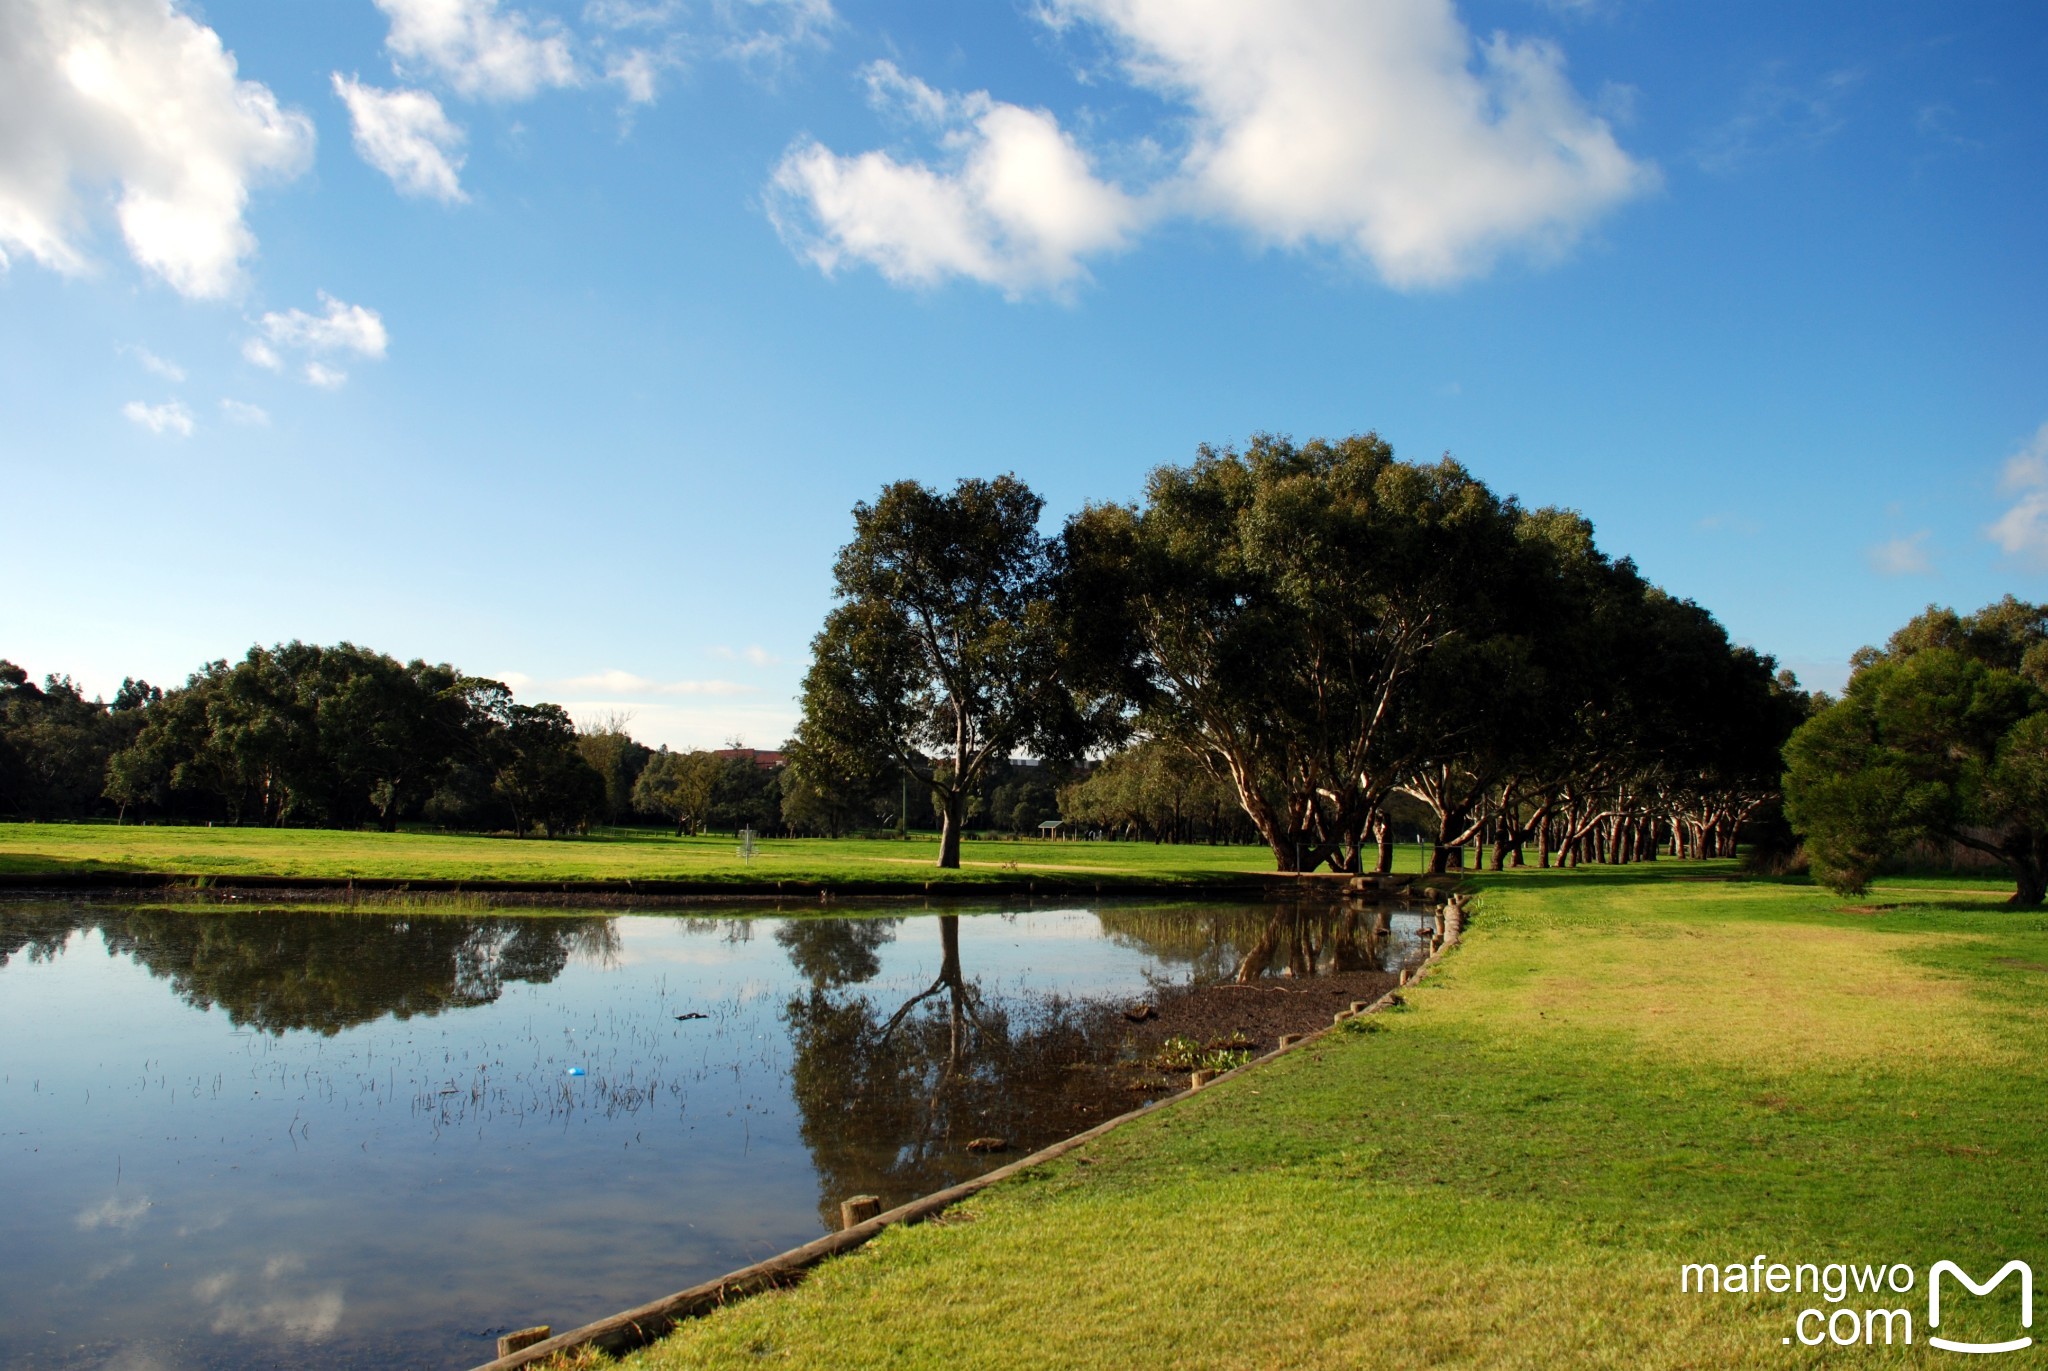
(679, 956)
(114, 1212)
(754, 988)
(99, 1271)
(135, 1359)
(218, 1219)
(266, 1305)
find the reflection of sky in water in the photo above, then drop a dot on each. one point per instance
(183, 1192)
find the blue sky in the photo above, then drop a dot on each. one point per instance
(557, 340)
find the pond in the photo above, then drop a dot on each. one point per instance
(236, 1138)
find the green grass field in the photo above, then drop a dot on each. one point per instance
(614, 855)
(1620, 1072)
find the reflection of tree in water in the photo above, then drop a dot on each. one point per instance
(1234, 943)
(891, 1095)
(833, 952)
(276, 971)
(39, 929)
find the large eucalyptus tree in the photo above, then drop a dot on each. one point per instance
(943, 654)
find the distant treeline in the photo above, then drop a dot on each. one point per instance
(345, 737)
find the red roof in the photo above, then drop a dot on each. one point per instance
(767, 761)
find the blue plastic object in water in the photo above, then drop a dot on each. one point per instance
(576, 1071)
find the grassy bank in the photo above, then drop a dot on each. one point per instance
(1620, 1072)
(617, 855)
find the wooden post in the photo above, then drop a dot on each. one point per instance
(1199, 1079)
(1360, 1006)
(859, 1209)
(1342, 1015)
(525, 1337)
(1289, 1039)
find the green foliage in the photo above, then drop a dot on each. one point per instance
(614, 754)
(1941, 737)
(1157, 790)
(55, 744)
(941, 657)
(1177, 1053)
(679, 787)
(1325, 626)
(542, 774)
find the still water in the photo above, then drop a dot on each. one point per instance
(263, 1138)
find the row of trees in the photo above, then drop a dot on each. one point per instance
(1320, 631)
(343, 736)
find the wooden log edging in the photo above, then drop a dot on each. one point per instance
(649, 1322)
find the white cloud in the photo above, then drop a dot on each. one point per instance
(133, 95)
(242, 412)
(479, 50)
(169, 417)
(155, 365)
(515, 681)
(341, 328)
(1905, 555)
(1384, 131)
(406, 135)
(2022, 531)
(1016, 204)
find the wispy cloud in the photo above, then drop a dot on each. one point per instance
(169, 417)
(2022, 531)
(481, 50)
(1741, 525)
(1777, 113)
(153, 364)
(340, 329)
(753, 654)
(617, 682)
(242, 412)
(114, 1212)
(1905, 555)
(406, 135)
(271, 1302)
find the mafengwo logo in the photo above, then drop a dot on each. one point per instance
(2026, 1275)
(1853, 1320)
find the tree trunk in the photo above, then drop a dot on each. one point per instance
(1383, 834)
(2030, 873)
(952, 817)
